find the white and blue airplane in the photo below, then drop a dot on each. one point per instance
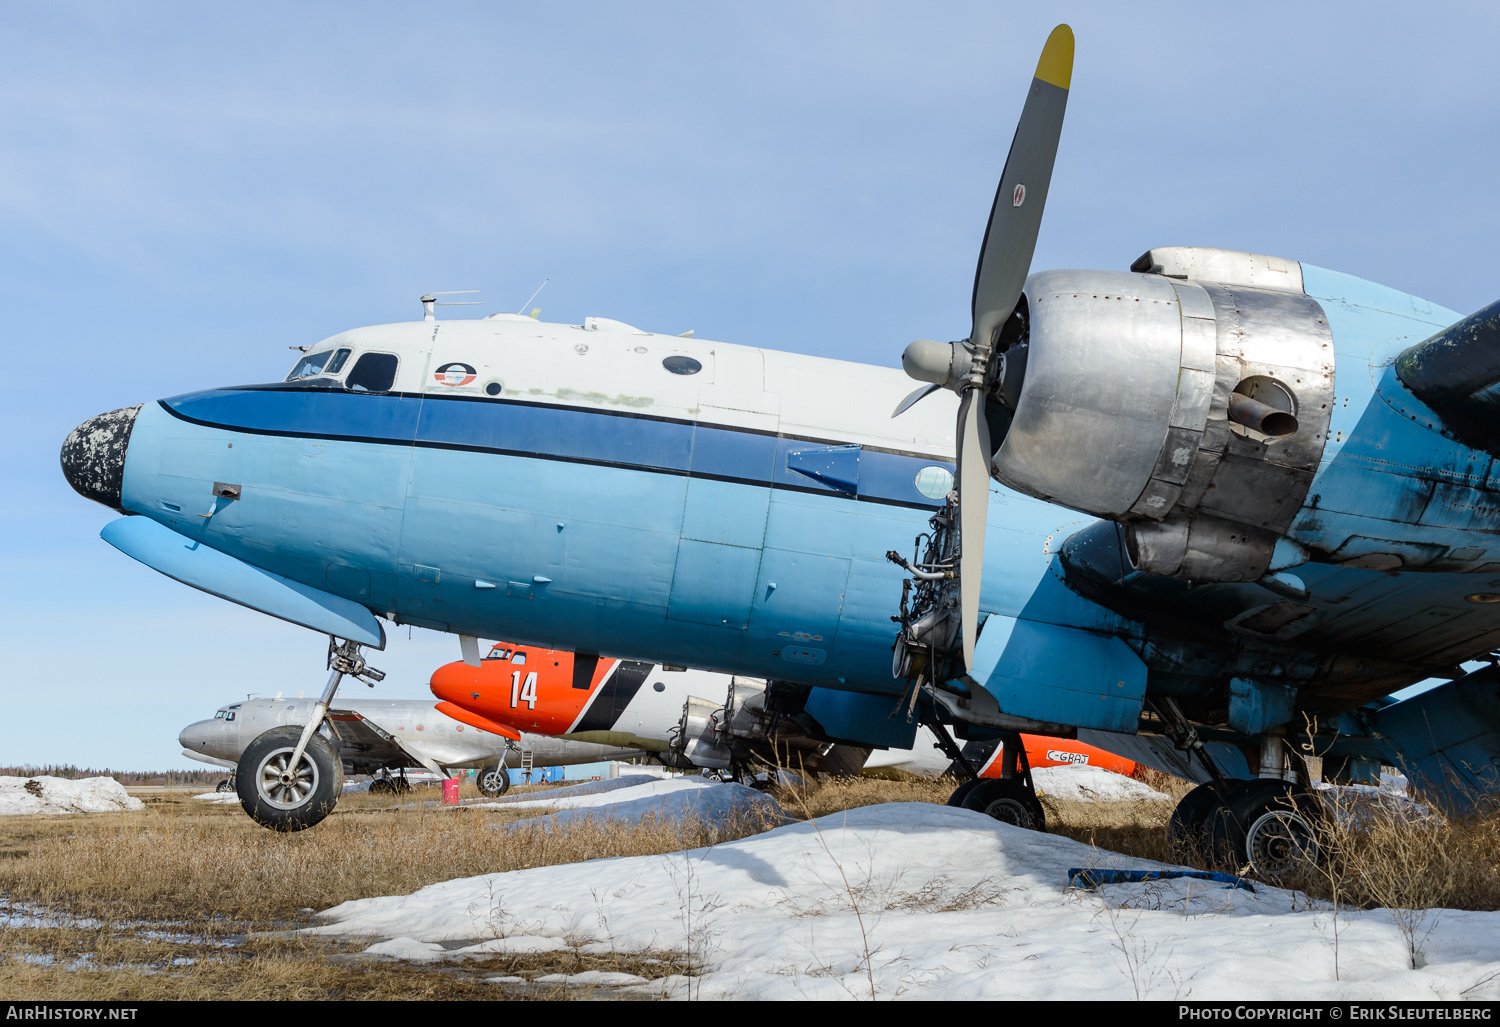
(1207, 513)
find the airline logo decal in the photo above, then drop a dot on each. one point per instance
(454, 374)
(1019, 196)
(1067, 757)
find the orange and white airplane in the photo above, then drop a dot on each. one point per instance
(694, 718)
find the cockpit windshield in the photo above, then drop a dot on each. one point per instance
(330, 361)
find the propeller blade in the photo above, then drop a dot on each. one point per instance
(1016, 217)
(912, 400)
(973, 508)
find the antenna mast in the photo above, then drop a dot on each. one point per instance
(431, 301)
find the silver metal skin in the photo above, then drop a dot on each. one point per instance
(1227, 267)
(1192, 412)
(1101, 391)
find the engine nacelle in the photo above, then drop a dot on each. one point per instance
(1194, 412)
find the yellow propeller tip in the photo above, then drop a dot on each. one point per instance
(1056, 64)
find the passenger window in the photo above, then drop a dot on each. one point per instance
(373, 372)
(520, 657)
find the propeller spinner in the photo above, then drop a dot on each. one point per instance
(974, 368)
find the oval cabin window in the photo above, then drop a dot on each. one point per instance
(682, 365)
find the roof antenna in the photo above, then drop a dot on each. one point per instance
(431, 300)
(534, 295)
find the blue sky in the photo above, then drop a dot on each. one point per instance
(186, 190)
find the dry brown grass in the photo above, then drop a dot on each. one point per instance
(178, 888)
(193, 861)
(173, 892)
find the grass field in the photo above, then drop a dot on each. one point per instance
(188, 899)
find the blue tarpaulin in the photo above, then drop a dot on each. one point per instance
(1094, 878)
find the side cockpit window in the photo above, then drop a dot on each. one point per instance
(373, 372)
(330, 361)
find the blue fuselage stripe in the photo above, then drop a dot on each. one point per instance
(572, 434)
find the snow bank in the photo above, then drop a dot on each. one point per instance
(1081, 783)
(218, 797)
(59, 795)
(954, 905)
(628, 799)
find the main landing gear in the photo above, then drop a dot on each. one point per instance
(1266, 824)
(290, 778)
(1010, 798)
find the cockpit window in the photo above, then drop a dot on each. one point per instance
(373, 372)
(520, 657)
(224, 715)
(330, 361)
(499, 652)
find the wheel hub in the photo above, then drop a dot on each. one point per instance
(1281, 840)
(283, 787)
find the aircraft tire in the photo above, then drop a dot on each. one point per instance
(295, 805)
(380, 786)
(1186, 837)
(1008, 802)
(224, 786)
(962, 792)
(1273, 827)
(493, 780)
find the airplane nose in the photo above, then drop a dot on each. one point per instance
(93, 455)
(197, 736)
(455, 683)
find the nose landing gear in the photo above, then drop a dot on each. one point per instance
(290, 778)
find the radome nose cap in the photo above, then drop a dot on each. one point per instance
(453, 682)
(93, 455)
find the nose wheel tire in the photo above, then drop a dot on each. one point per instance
(286, 798)
(493, 780)
(1008, 801)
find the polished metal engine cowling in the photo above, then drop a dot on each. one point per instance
(1116, 392)
(1193, 412)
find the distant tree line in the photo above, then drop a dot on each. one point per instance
(125, 777)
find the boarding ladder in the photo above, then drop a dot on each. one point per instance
(526, 764)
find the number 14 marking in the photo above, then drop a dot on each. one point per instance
(519, 691)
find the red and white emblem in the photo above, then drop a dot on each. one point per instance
(454, 374)
(1019, 197)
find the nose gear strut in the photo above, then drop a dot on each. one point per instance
(342, 659)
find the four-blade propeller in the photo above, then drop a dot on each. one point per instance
(973, 368)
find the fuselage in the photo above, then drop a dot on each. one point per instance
(686, 502)
(413, 724)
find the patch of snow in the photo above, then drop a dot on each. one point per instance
(59, 795)
(1082, 783)
(218, 797)
(409, 949)
(593, 977)
(628, 799)
(925, 901)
